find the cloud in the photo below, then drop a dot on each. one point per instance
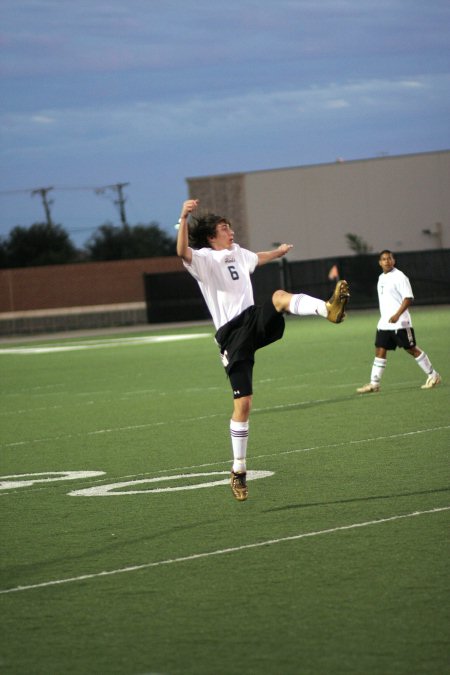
(337, 103)
(412, 84)
(42, 119)
(61, 36)
(145, 123)
(116, 90)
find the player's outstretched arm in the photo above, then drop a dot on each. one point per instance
(183, 249)
(267, 256)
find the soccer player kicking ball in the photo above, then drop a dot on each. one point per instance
(394, 328)
(222, 270)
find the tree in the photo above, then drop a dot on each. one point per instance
(3, 255)
(111, 242)
(40, 244)
(357, 244)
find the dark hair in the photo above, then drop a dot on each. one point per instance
(203, 227)
(385, 250)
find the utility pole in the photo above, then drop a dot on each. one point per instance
(120, 201)
(45, 202)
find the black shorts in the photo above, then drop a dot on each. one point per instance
(391, 339)
(256, 327)
(241, 378)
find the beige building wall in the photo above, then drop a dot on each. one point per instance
(224, 196)
(401, 203)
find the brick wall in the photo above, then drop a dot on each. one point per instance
(79, 285)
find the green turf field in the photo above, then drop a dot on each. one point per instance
(143, 563)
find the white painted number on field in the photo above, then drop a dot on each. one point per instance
(116, 489)
(26, 479)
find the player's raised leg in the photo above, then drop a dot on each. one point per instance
(302, 304)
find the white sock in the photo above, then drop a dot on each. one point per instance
(377, 370)
(424, 362)
(239, 438)
(305, 305)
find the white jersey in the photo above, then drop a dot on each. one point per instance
(224, 280)
(393, 288)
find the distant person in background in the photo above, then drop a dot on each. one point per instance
(222, 270)
(394, 328)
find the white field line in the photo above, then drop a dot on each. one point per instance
(149, 425)
(100, 344)
(129, 395)
(224, 551)
(126, 396)
(280, 453)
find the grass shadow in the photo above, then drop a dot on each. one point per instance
(356, 500)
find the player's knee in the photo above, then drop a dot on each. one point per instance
(280, 300)
(415, 352)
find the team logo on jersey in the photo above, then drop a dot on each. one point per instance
(230, 259)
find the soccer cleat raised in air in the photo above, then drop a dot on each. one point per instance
(239, 486)
(368, 388)
(432, 381)
(336, 304)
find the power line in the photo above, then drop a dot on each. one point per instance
(81, 229)
(15, 192)
(115, 187)
(63, 188)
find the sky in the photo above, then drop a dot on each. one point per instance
(147, 93)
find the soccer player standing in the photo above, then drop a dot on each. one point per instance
(222, 270)
(394, 327)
